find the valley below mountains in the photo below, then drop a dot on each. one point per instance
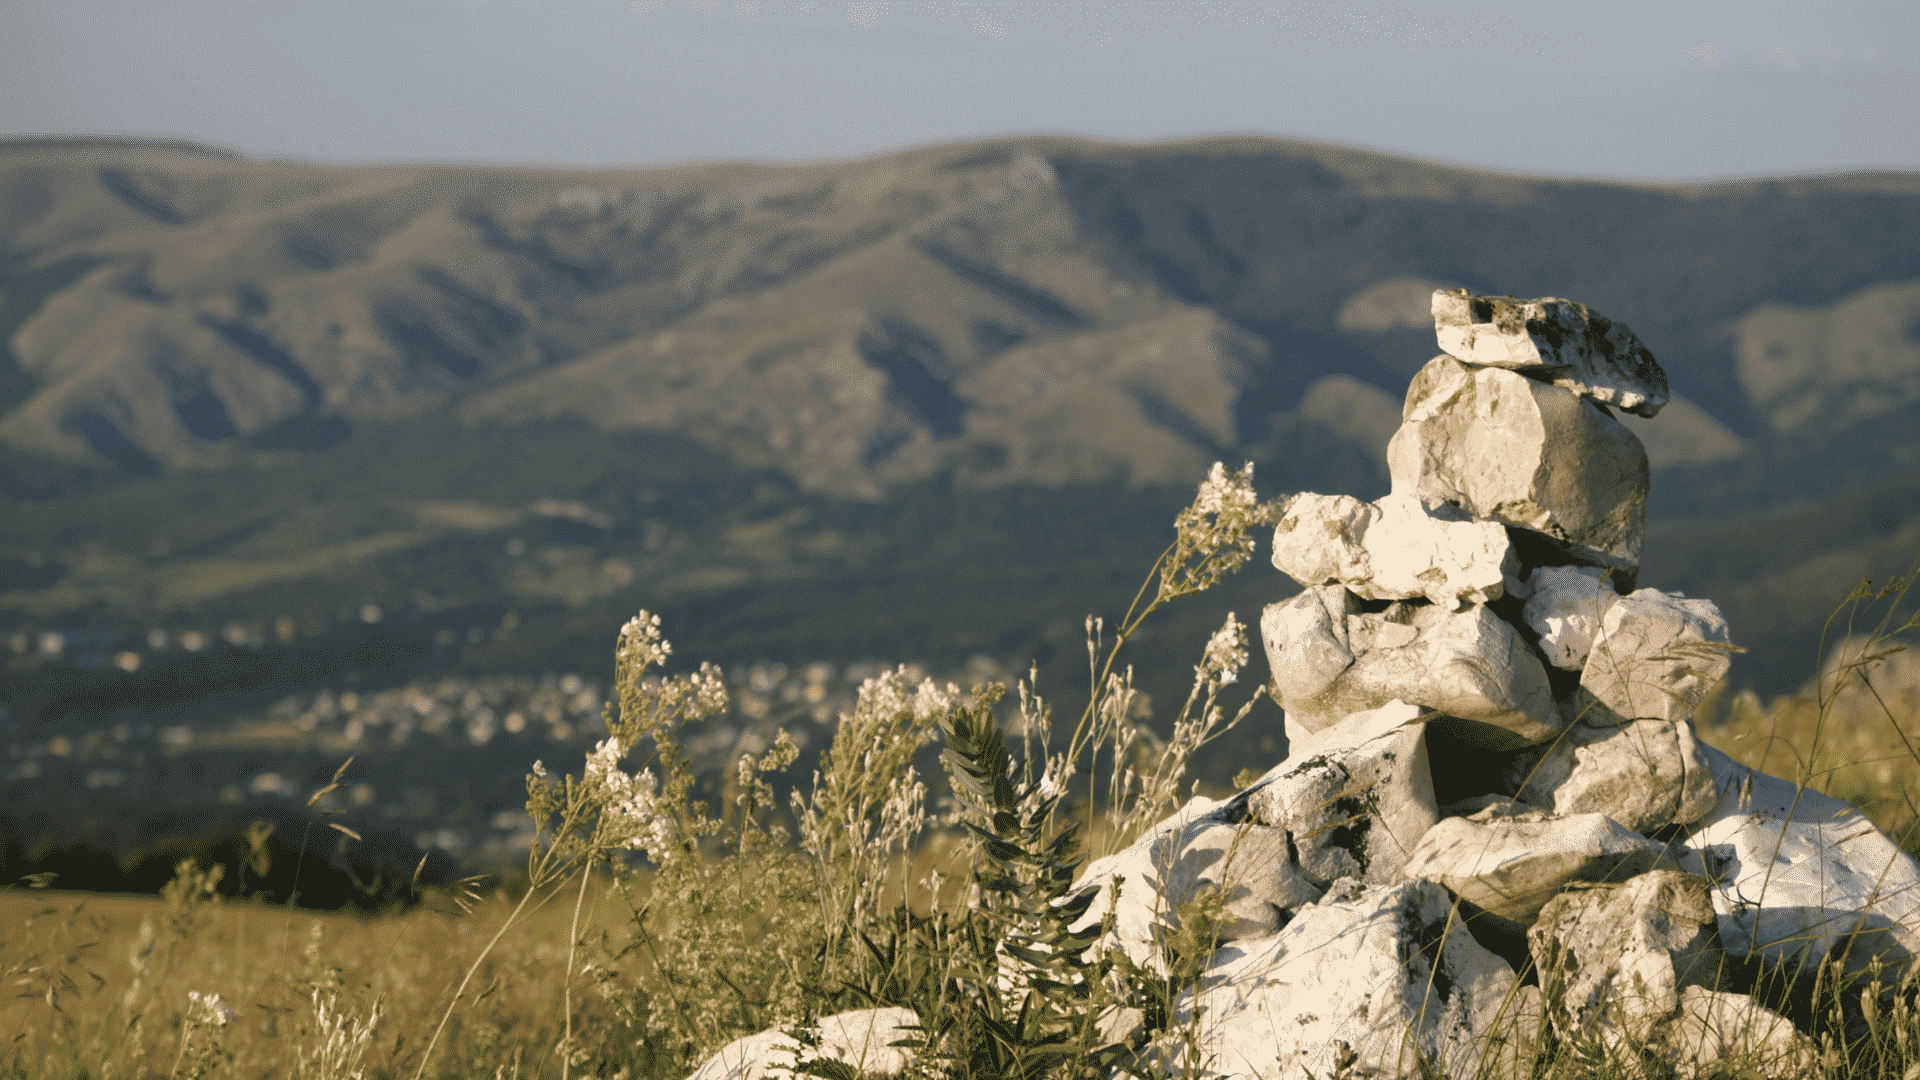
(274, 428)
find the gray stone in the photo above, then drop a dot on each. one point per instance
(862, 1038)
(1330, 660)
(1554, 339)
(1613, 959)
(1564, 607)
(1510, 862)
(1799, 876)
(1644, 774)
(1172, 866)
(1507, 448)
(1655, 657)
(1392, 550)
(1354, 802)
(1365, 983)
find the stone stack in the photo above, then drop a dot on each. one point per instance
(1495, 829)
(1493, 792)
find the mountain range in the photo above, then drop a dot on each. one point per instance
(936, 402)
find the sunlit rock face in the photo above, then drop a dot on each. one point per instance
(1394, 549)
(1499, 446)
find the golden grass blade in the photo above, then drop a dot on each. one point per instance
(343, 828)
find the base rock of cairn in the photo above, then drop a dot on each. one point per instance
(1495, 829)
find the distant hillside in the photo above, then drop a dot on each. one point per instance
(941, 401)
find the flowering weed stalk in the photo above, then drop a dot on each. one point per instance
(203, 1011)
(1213, 537)
(582, 822)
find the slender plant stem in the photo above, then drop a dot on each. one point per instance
(566, 978)
(427, 1055)
(186, 1030)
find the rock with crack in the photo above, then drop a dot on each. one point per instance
(1558, 340)
(1799, 877)
(1655, 657)
(1355, 801)
(1565, 606)
(1370, 981)
(1644, 774)
(1613, 959)
(1503, 447)
(1508, 859)
(862, 1039)
(1330, 659)
(1392, 550)
(1201, 850)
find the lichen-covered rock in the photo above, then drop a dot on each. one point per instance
(1355, 802)
(863, 1039)
(1392, 549)
(1613, 959)
(1171, 866)
(1503, 447)
(1644, 774)
(1329, 660)
(1550, 338)
(1565, 608)
(1795, 874)
(1509, 859)
(1655, 657)
(1367, 982)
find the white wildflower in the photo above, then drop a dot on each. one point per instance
(640, 642)
(894, 692)
(709, 690)
(539, 770)
(209, 1009)
(1226, 653)
(930, 699)
(1214, 536)
(632, 818)
(1223, 492)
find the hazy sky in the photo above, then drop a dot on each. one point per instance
(1662, 90)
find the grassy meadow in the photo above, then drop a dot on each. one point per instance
(862, 889)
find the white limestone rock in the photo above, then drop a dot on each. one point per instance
(1356, 800)
(1172, 866)
(1364, 983)
(1794, 878)
(1565, 609)
(1655, 657)
(1613, 960)
(862, 1038)
(1330, 660)
(1509, 860)
(1718, 1032)
(1392, 549)
(1306, 643)
(1554, 339)
(1503, 447)
(1644, 774)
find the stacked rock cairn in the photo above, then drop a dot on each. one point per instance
(1495, 835)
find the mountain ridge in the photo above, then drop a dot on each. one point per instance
(231, 296)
